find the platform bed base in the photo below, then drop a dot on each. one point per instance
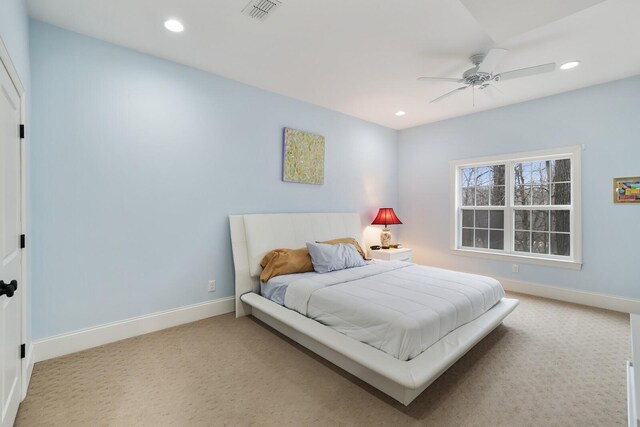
(402, 380)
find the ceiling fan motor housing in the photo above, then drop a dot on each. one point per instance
(475, 78)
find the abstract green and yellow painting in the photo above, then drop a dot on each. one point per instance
(303, 157)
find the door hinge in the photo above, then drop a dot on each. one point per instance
(23, 241)
(21, 131)
(23, 351)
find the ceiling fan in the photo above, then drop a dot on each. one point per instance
(481, 75)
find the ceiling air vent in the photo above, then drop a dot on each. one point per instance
(260, 9)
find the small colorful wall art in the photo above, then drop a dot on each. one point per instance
(626, 190)
(303, 160)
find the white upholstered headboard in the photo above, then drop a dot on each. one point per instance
(252, 236)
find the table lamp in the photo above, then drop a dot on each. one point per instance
(386, 216)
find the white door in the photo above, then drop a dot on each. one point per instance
(10, 252)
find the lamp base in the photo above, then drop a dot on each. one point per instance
(385, 238)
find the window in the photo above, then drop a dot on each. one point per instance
(524, 206)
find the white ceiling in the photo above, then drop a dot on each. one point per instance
(362, 57)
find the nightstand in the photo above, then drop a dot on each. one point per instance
(402, 254)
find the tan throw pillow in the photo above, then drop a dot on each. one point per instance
(351, 240)
(285, 261)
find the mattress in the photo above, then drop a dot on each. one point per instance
(398, 307)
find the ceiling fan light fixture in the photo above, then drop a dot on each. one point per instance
(400, 113)
(174, 25)
(569, 65)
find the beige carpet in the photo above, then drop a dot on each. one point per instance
(550, 363)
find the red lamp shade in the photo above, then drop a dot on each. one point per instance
(386, 216)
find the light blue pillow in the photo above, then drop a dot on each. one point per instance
(326, 258)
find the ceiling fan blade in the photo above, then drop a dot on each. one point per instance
(530, 71)
(446, 79)
(493, 92)
(497, 89)
(448, 94)
(491, 61)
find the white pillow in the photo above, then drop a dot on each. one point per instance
(326, 258)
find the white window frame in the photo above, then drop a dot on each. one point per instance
(574, 261)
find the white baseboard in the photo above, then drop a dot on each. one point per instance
(593, 299)
(631, 396)
(84, 339)
(27, 371)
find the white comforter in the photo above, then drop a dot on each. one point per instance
(398, 307)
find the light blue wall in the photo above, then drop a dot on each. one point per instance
(14, 30)
(137, 162)
(606, 118)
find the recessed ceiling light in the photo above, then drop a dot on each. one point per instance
(174, 25)
(400, 113)
(569, 65)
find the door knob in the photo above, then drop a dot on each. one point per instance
(8, 288)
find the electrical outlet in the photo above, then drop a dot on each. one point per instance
(212, 285)
(515, 268)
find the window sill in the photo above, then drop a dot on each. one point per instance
(572, 265)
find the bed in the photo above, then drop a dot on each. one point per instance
(401, 368)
